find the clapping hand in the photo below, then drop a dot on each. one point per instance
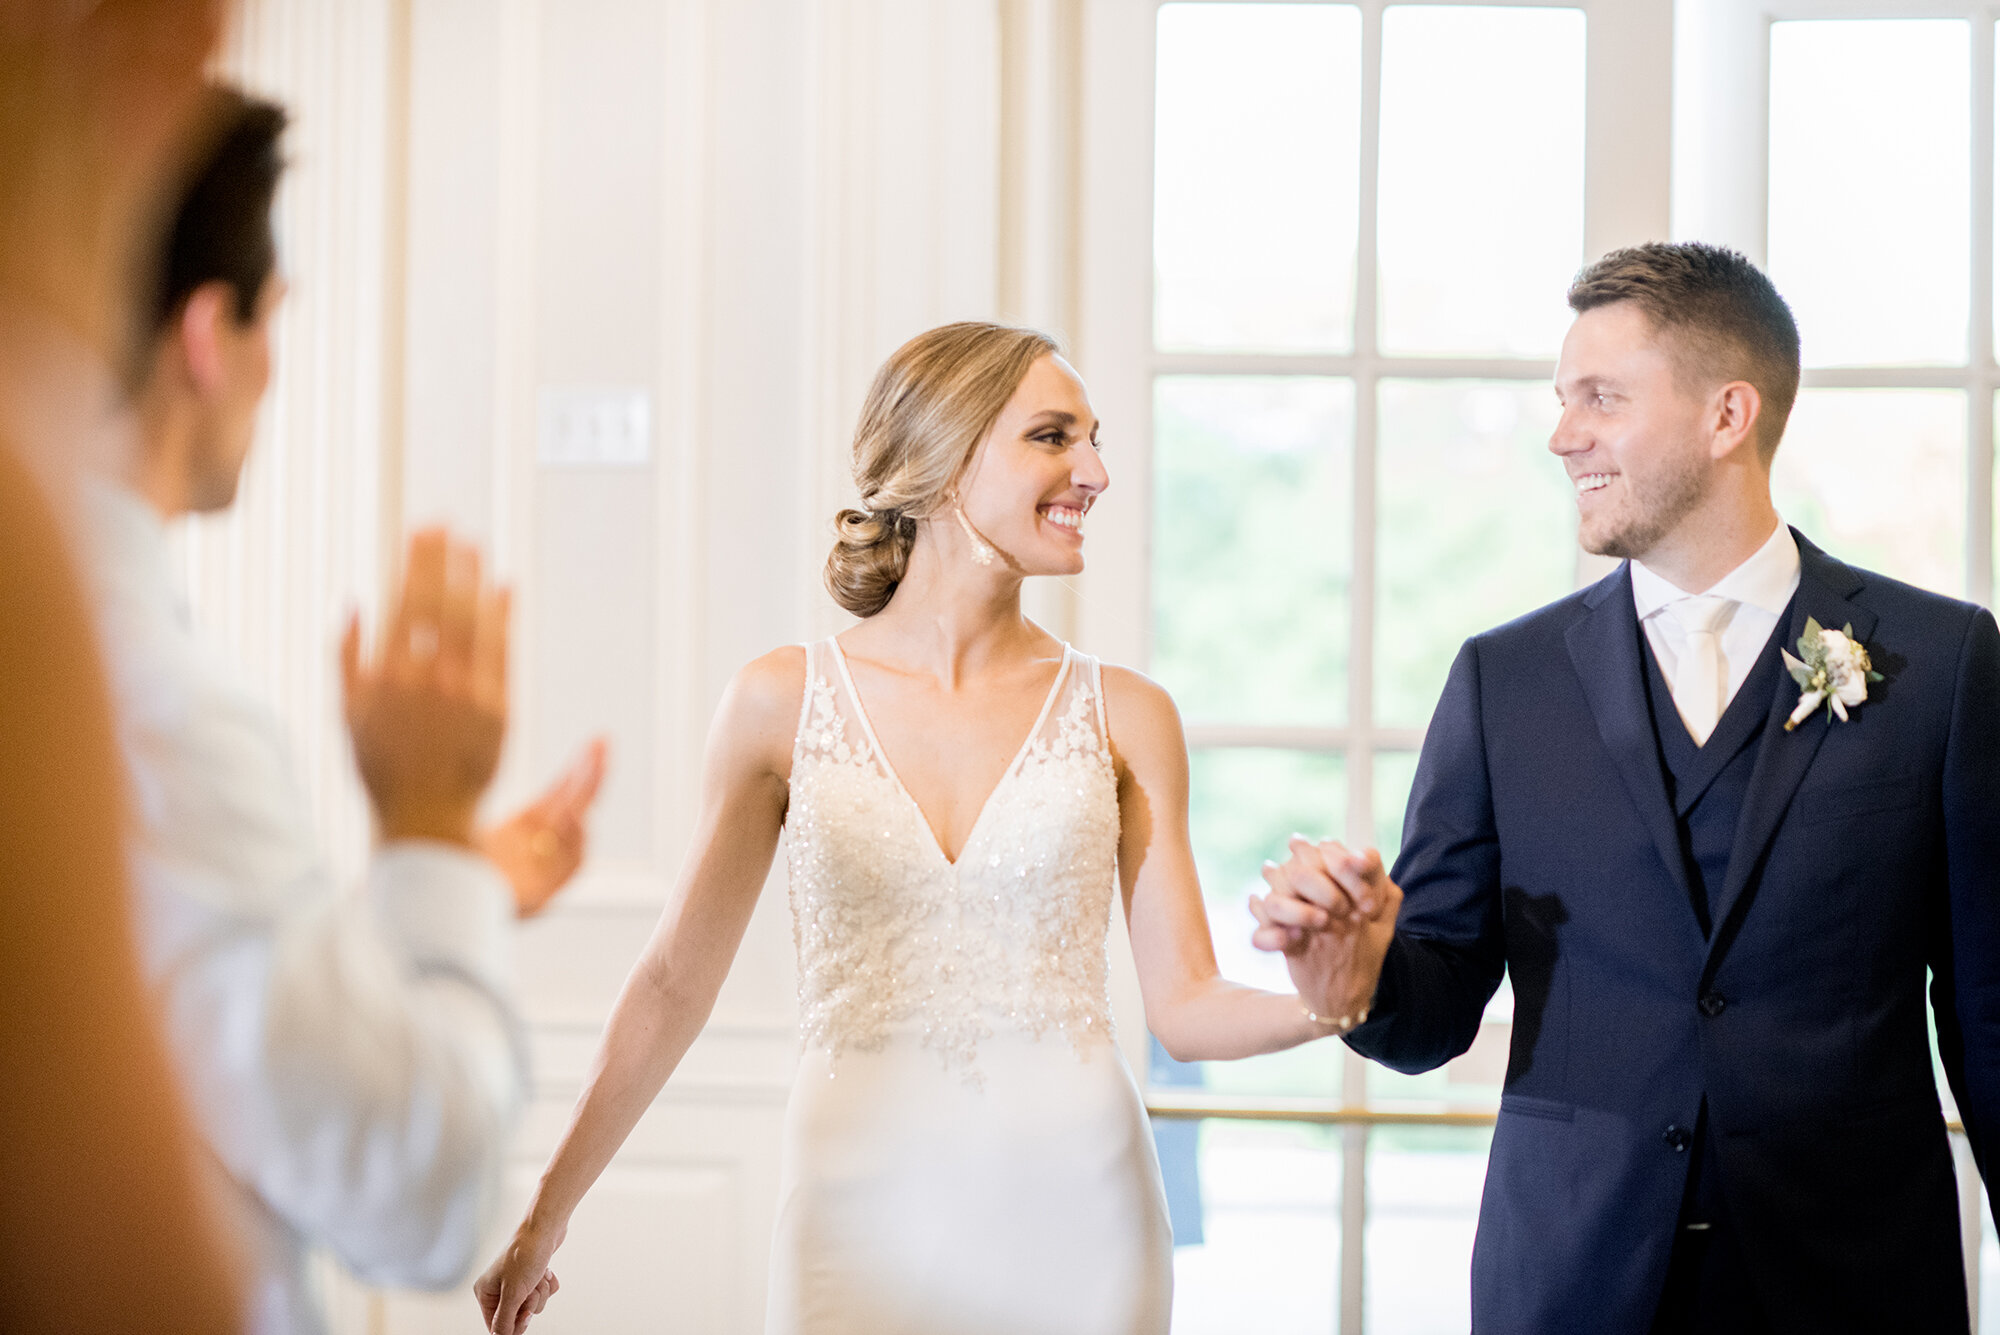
(427, 708)
(540, 846)
(1332, 913)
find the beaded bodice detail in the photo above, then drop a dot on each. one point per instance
(893, 938)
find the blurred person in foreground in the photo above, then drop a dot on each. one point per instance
(106, 1225)
(1718, 816)
(355, 1059)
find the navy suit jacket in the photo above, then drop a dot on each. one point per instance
(1539, 840)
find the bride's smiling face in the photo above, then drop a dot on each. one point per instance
(1035, 476)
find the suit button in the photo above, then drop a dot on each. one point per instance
(1677, 1138)
(1712, 1005)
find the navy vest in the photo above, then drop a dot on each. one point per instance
(1707, 785)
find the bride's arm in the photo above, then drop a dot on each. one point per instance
(668, 995)
(1195, 1013)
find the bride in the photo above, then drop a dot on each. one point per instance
(965, 1149)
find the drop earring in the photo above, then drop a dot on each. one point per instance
(982, 553)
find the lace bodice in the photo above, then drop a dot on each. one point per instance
(890, 935)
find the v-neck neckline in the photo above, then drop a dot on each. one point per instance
(882, 754)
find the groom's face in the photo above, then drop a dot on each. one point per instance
(1629, 435)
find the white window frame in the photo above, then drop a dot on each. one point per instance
(1722, 192)
(1714, 152)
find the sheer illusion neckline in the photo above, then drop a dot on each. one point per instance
(889, 768)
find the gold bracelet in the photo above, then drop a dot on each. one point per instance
(1343, 1025)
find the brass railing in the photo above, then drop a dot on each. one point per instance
(1196, 1107)
(1193, 1107)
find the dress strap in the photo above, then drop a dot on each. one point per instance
(813, 653)
(1072, 721)
(832, 725)
(1095, 670)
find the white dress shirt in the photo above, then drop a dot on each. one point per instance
(1762, 587)
(352, 1053)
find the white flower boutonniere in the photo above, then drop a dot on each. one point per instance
(1832, 670)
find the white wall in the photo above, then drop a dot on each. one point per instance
(737, 207)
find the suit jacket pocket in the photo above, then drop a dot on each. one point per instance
(1548, 1109)
(1820, 806)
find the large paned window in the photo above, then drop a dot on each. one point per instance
(1364, 222)
(1870, 226)
(1363, 218)
(1854, 158)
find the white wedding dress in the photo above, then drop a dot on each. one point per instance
(965, 1149)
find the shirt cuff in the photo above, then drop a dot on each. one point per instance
(447, 907)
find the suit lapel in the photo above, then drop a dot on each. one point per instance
(1604, 647)
(1784, 757)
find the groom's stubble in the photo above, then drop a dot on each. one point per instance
(1660, 502)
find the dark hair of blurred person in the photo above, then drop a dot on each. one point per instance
(223, 231)
(105, 1225)
(208, 360)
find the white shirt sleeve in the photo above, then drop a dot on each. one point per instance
(353, 1053)
(355, 1059)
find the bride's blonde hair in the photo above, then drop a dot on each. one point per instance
(931, 404)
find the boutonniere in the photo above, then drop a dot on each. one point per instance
(1832, 670)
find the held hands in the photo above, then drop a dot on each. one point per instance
(540, 846)
(1332, 912)
(519, 1283)
(427, 709)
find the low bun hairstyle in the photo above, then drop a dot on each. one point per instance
(931, 404)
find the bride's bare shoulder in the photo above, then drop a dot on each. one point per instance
(762, 700)
(776, 681)
(1138, 709)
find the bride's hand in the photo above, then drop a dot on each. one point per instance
(1332, 913)
(519, 1283)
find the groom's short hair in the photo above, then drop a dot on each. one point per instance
(1721, 313)
(221, 229)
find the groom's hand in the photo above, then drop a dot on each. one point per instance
(1332, 912)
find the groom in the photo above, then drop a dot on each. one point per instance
(1719, 1113)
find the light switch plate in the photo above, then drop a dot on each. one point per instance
(589, 427)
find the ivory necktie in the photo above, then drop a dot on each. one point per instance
(1701, 672)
